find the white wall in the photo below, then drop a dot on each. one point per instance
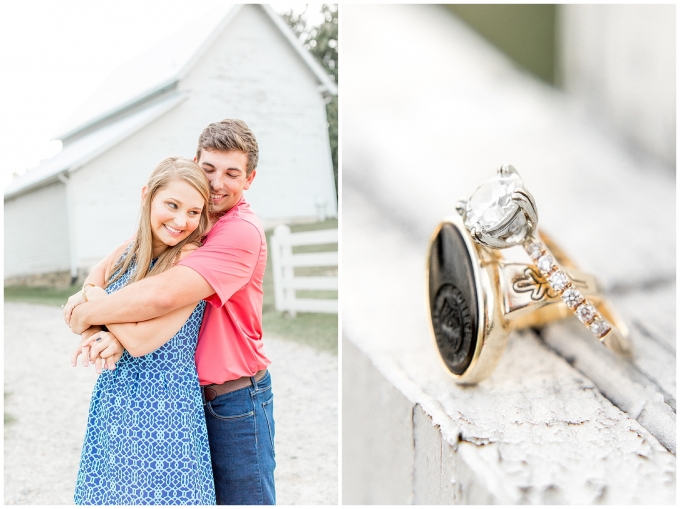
(107, 191)
(36, 232)
(619, 61)
(251, 72)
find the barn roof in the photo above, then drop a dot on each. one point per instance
(162, 66)
(140, 91)
(91, 145)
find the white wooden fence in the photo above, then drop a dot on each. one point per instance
(285, 261)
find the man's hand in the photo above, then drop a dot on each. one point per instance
(100, 348)
(77, 320)
(73, 301)
(78, 323)
(144, 300)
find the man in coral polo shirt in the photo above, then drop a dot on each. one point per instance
(227, 272)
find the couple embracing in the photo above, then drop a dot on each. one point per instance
(182, 412)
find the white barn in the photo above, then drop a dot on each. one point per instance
(64, 216)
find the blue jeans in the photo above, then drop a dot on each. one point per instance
(241, 437)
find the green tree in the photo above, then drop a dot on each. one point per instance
(322, 42)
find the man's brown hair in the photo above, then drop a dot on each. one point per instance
(229, 134)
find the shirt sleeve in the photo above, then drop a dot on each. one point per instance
(228, 258)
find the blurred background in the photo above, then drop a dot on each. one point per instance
(617, 61)
(95, 101)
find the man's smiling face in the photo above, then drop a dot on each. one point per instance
(226, 172)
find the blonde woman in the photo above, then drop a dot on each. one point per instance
(146, 440)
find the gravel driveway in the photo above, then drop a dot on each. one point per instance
(47, 400)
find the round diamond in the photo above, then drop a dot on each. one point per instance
(572, 297)
(600, 327)
(545, 263)
(492, 203)
(586, 312)
(558, 280)
(534, 250)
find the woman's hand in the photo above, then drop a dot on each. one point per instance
(84, 345)
(100, 348)
(73, 301)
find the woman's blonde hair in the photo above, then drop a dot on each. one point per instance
(141, 251)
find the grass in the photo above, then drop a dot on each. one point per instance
(40, 294)
(319, 330)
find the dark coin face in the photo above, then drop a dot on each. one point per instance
(453, 299)
(452, 325)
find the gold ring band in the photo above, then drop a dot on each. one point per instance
(478, 295)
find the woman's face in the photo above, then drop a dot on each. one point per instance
(175, 214)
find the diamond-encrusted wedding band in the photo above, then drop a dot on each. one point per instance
(501, 212)
(584, 309)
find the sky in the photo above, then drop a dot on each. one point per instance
(55, 54)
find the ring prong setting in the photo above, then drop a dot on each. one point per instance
(501, 211)
(526, 202)
(507, 169)
(460, 207)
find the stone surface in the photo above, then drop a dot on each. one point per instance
(453, 300)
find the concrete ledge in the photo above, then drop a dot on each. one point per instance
(373, 471)
(546, 437)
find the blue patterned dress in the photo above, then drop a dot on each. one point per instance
(146, 439)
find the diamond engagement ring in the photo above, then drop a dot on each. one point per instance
(478, 292)
(501, 212)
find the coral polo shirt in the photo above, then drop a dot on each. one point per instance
(232, 260)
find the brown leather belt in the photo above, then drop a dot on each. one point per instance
(211, 391)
